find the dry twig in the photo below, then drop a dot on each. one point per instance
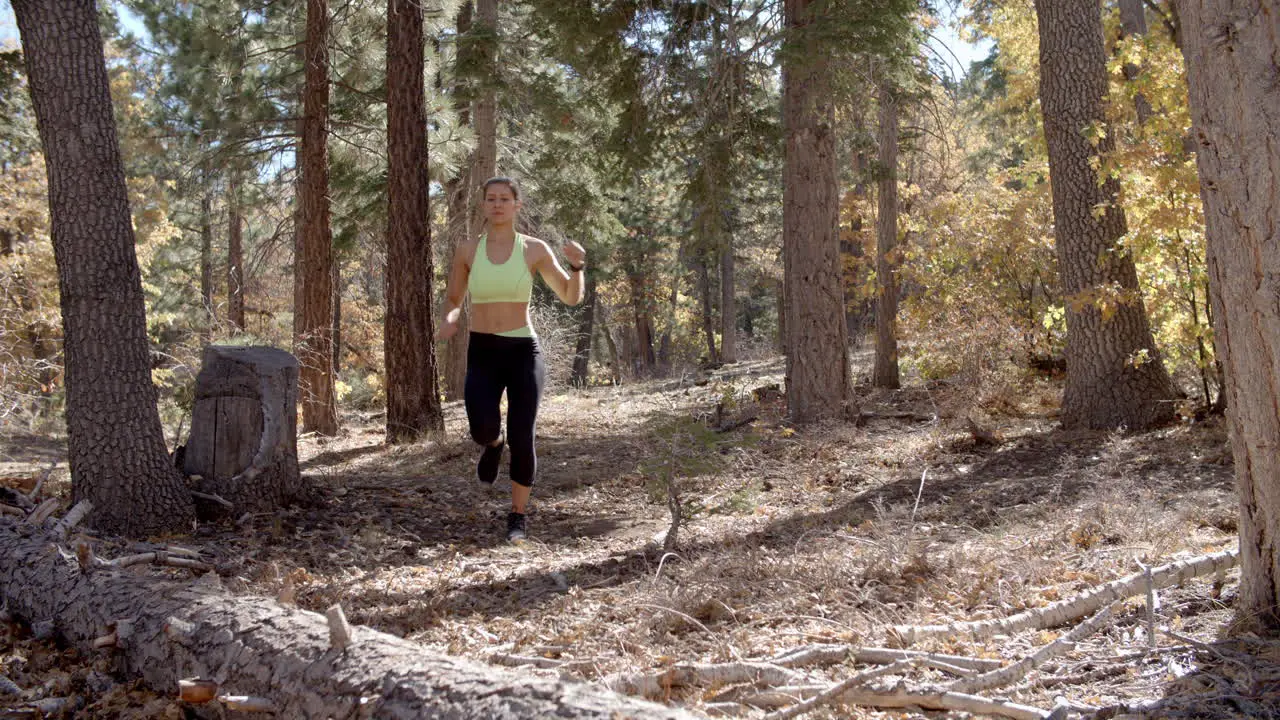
(1065, 611)
(839, 689)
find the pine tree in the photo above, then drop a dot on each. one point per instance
(1115, 377)
(114, 438)
(413, 400)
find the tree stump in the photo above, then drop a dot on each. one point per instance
(244, 437)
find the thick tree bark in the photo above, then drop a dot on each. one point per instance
(885, 373)
(235, 257)
(708, 312)
(1115, 377)
(315, 348)
(640, 303)
(413, 398)
(586, 330)
(1231, 48)
(114, 438)
(461, 194)
(818, 378)
(728, 303)
(256, 647)
(206, 260)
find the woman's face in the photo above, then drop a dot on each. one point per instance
(500, 204)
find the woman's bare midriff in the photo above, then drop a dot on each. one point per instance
(497, 317)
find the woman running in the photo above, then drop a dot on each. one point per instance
(503, 354)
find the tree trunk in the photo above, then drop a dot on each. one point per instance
(1133, 23)
(114, 438)
(640, 302)
(780, 298)
(256, 647)
(315, 349)
(728, 303)
(1115, 377)
(413, 398)
(885, 373)
(853, 260)
(235, 257)
(460, 196)
(818, 382)
(244, 428)
(206, 262)
(708, 312)
(1231, 49)
(586, 328)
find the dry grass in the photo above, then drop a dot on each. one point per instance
(791, 536)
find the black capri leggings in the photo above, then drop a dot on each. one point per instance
(496, 363)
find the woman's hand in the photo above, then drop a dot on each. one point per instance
(449, 327)
(575, 254)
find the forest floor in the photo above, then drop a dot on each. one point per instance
(791, 537)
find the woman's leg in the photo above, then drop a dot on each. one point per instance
(524, 393)
(482, 395)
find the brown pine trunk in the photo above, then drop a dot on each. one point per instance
(206, 261)
(413, 399)
(460, 196)
(708, 312)
(114, 438)
(315, 350)
(640, 303)
(728, 303)
(586, 328)
(1231, 49)
(818, 378)
(780, 299)
(885, 372)
(1115, 377)
(235, 257)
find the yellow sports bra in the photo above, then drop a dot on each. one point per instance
(508, 282)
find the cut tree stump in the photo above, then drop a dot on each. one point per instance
(244, 428)
(256, 648)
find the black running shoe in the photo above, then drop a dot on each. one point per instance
(487, 466)
(515, 528)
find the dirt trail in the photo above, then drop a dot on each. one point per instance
(791, 536)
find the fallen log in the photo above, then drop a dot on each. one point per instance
(255, 648)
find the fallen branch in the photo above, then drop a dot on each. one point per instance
(73, 518)
(944, 701)
(510, 660)
(1015, 672)
(158, 558)
(247, 703)
(42, 511)
(212, 498)
(730, 427)
(1065, 611)
(257, 648)
(11, 510)
(831, 654)
(35, 491)
(686, 674)
(839, 689)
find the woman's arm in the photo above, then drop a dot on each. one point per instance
(455, 290)
(568, 286)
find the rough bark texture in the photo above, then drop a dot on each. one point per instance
(257, 647)
(206, 259)
(244, 428)
(235, 257)
(818, 382)
(413, 398)
(728, 303)
(708, 311)
(114, 438)
(586, 330)
(460, 193)
(315, 341)
(1231, 48)
(885, 373)
(643, 348)
(1115, 377)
